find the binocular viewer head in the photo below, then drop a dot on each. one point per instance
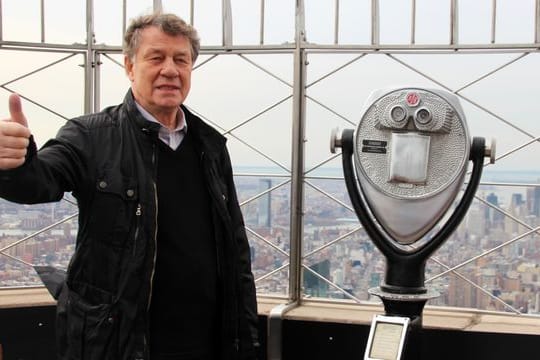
(411, 152)
(404, 167)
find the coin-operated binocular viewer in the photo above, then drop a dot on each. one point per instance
(411, 150)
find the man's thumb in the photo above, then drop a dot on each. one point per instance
(15, 110)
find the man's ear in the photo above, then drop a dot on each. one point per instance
(128, 66)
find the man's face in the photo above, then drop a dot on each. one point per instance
(161, 71)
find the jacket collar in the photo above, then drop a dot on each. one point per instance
(135, 115)
(210, 139)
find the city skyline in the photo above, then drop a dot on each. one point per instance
(352, 263)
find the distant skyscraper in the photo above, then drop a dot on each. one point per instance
(493, 200)
(533, 201)
(264, 213)
(493, 217)
(313, 285)
(517, 200)
(476, 223)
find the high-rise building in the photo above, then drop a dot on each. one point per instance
(459, 293)
(475, 224)
(533, 201)
(494, 218)
(313, 284)
(517, 200)
(264, 213)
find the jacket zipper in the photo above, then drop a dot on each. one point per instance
(155, 240)
(138, 213)
(155, 246)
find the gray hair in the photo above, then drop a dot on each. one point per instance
(168, 23)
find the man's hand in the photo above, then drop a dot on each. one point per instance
(14, 136)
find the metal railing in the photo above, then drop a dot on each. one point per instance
(300, 175)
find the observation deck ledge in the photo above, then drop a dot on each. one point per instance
(434, 317)
(444, 318)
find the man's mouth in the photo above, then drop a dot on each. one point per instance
(168, 87)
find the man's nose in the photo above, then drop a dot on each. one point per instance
(169, 68)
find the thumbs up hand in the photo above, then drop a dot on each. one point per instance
(14, 136)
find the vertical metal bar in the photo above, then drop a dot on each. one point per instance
(42, 10)
(1, 23)
(261, 29)
(192, 13)
(89, 59)
(336, 22)
(275, 319)
(274, 345)
(413, 22)
(493, 20)
(124, 18)
(226, 10)
(375, 17)
(536, 19)
(97, 81)
(454, 29)
(158, 6)
(298, 141)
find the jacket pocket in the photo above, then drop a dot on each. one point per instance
(91, 330)
(113, 209)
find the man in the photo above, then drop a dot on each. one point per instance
(161, 268)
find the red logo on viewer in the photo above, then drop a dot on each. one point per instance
(413, 99)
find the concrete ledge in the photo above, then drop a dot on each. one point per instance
(434, 317)
(340, 312)
(25, 297)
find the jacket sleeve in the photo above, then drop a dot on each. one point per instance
(247, 283)
(46, 174)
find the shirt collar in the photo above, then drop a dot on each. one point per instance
(181, 124)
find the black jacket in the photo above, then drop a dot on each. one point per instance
(108, 161)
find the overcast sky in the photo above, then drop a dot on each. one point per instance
(228, 90)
